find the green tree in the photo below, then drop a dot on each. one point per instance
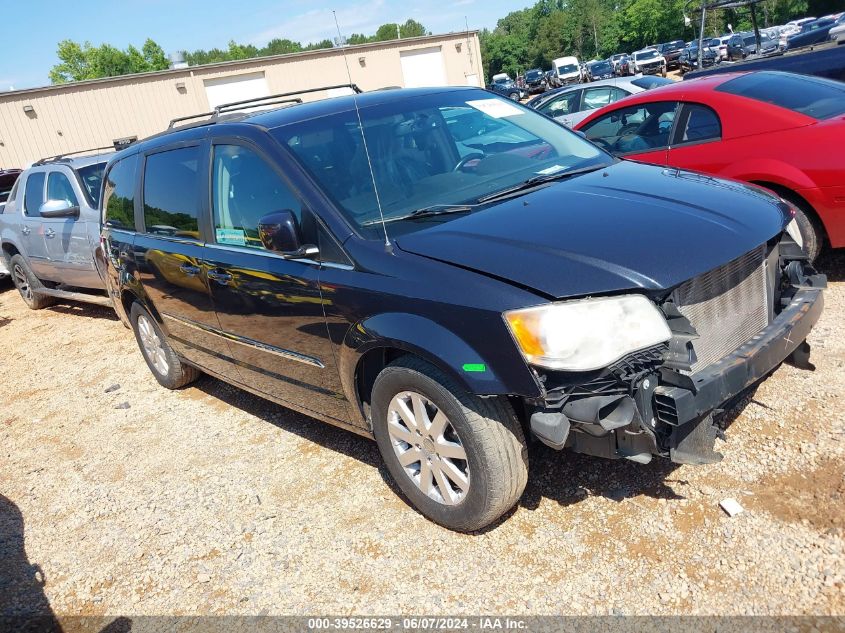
(412, 28)
(78, 62)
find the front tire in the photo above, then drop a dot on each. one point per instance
(28, 284)
(513, 96)
(459, 459)
(163, 362)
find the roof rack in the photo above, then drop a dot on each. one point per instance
(258, 102)
(64, 157)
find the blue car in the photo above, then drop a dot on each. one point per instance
(508, 88)
(814, 32)
(452, 274)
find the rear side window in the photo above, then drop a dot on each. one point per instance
(119, 194)
(172, 193)
(59, 188)
(33, 194)
(812, 96)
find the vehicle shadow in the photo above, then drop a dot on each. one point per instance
(85, 309)
(832, 263)
(561, 476)
(306, 427)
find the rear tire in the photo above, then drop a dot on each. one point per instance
(445, 423)
(163, 362)
(28, 284)
(513, 96)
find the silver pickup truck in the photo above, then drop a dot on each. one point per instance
(50, 231)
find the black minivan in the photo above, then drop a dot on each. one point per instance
(450, 273)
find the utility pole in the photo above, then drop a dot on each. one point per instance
(398, 34)
(701, 37)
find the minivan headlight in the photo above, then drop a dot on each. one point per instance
(586, 334)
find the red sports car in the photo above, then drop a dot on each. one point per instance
(782, 131)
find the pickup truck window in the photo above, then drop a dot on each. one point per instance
(171, 193)
(119, 194)
(59, 188)
(34, 194)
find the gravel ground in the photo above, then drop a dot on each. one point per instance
(138, 500)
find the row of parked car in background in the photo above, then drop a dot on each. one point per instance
(677, 54)
(448, 272)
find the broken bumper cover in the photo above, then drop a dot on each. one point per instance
(669, 413)
(4, 271)
(681, 399)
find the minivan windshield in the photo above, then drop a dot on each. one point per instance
(431, 152)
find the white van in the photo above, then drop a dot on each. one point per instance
(567, 70)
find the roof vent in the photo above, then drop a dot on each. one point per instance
(177, 60)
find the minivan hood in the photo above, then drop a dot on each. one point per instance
(629, 226)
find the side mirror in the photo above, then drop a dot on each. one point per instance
(279, 232)
(58, 209)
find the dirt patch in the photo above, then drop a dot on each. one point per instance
(816, 496)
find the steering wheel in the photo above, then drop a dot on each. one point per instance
(603, 143)
(462, 163)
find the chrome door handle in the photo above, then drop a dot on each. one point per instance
(49, 233)
(26, 230)
(191, 271)
(221, 278)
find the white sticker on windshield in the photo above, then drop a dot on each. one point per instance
(495, 107)
(550, 170)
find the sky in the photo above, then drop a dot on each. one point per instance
(33, 29)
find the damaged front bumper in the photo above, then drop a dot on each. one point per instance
(640, 407)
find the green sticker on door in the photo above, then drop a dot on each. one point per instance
(231, 236)
(473, 367)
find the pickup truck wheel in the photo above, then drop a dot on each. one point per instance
(28, 284)
(461, 460)
(166, 366)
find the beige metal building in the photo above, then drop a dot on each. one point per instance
(47, 121)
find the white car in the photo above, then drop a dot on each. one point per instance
(720, 45)
(648, 62)
(837, 34)
(573, 104)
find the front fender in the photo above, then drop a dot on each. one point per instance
(436, 344)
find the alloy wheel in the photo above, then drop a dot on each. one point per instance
(22, 282)
(152, 345)
(428, 448)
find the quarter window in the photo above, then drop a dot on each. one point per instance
(59, 188)
(245, 189)
(172, 193)
(119, 194)
(702, 124)
(34, 194)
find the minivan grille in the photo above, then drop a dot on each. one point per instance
(727, 306)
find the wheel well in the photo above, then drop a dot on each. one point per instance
(791, 196)
(369, 366)
(9, 251)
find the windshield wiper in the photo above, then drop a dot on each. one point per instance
(426, 212)
(538, 180)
